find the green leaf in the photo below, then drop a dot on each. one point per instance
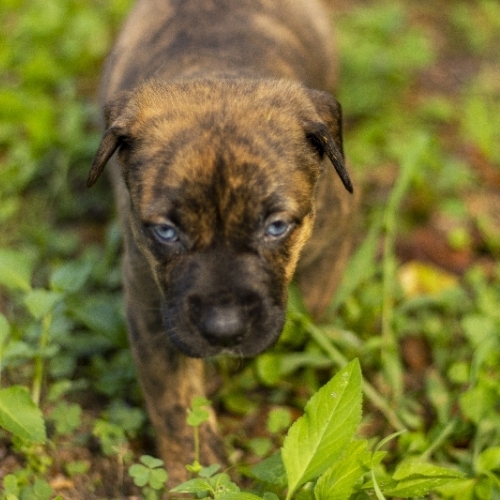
(70, 277)
(66, 417)
(260, 446)
(10, 485)
(417, 479)
(111, 436)
(151, 462)
(222, 485)
(338, 482)
(42, 490)
(196, 485)
(270, 496)
(478, 402)
(237, 496)
(278, 420)
(140, 474)
(15, 270)
(100, 313)
(58, 389)
(20, 415)
(4, 329)
(268, 367)
(317, 439)
(40, 302)
(489, 459)
(198, 413)
(416, 467)
(271, 470)
(209, 471)
(77, 467)
(157, 478)
(200, 402)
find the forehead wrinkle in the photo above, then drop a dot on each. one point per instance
(174, 161)
(229, 194)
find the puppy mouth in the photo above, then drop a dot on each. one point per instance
(222, 329)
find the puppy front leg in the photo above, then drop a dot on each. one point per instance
(169, 382)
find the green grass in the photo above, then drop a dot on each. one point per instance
(418, 306)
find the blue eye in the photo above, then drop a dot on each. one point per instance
(165, 233)
(277, 228)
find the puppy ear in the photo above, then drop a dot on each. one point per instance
(112, 138)
(326, 136)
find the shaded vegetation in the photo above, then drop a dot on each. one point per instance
(420, 89)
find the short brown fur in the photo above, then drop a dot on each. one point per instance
(227, 183)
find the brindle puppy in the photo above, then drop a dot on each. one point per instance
(229, 178)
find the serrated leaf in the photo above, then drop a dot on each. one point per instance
(40, 302)
(196, 485)
(417, 487)
(209, 471)
(15, 270)
(237, 496)
(338, 482)
(417, 479)
(20, 415)
(223, 485)
(317, 439)
(416, 467)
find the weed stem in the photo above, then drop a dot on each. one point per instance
(390, 358)
(370, 392)
(439, 440)
(39, 363)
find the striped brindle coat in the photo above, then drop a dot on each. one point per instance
(230, 180)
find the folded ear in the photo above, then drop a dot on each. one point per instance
(326, 136)
(112, 138)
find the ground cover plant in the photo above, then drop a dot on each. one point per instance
(403, 379)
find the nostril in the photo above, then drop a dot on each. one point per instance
(194, 308)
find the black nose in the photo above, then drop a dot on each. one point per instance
(222, 322)
(223, 325)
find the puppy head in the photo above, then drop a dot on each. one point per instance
(221, 176)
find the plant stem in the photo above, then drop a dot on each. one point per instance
(196, 463)
(1, 358)
(439, 440)
(39, 363)
(370, 392)
(390, 358)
